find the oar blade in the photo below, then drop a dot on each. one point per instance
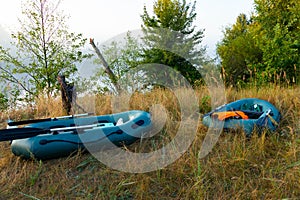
(20, 133)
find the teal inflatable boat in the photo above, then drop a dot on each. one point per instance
(57, 137)
(244, 114)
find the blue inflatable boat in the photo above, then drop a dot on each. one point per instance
(244, 114)
(57, 137)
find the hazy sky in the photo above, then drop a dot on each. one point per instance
(104, 19)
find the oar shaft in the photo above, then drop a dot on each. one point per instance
(26, 132)
(31, 121)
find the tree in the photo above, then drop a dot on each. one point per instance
(239, 51)
(171, 38)
(280, 41)
(266, 47)
(44, 49)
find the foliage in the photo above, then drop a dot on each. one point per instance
(44, 48)
(239, 51)
(264, 48)
(3, 102)
(121, 56)
(171, 38)
(280, 27)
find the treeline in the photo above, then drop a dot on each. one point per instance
(264, 47)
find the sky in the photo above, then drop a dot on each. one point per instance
(104, 19)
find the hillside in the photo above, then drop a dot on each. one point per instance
(260, 167)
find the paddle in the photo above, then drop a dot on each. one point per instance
(31, 121)
(20, 133)
(26, 132)
(262, 121)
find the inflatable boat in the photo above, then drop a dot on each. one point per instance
(244, 114)
(57, 137)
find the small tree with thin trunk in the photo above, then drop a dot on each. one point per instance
(44, 49)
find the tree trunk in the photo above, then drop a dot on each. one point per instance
(107, 69)
(66, 94)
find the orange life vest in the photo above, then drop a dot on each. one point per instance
(229, 114)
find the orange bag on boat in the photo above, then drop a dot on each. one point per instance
(229, 114)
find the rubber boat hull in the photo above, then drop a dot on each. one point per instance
(268, 119)
(104, 132)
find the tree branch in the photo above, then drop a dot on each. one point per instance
(13, 79)
(107, 69)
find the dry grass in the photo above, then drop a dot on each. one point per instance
(265, 167)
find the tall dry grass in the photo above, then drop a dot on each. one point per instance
(260, 167)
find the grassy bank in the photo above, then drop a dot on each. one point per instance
(265, 167)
